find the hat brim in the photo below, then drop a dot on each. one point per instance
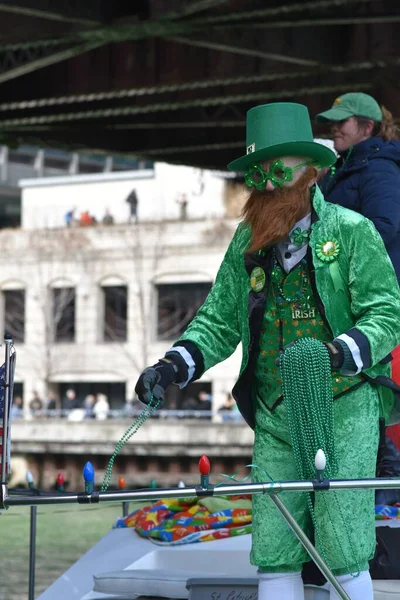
(322, 155)
(334, 114)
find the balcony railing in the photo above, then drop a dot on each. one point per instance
(79, 414)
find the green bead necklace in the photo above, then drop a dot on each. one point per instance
(148, 410)
(333, 169)
(299, 296)
(307, 389)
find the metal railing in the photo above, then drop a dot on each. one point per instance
(88, 496)
(79, 414)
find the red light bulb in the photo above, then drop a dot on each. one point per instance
(121, 483)
(60, 479)
(204, 465)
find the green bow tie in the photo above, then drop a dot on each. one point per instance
(299, 237)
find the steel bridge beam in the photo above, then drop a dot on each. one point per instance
(170, 107)
(335, 22)
(48, 59)
(194, 7)
(274, 56)
(173, 88)
(169, 27)
(45, 14)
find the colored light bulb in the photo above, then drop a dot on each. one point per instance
(204, 465)
(121, 483)
(88, 476)
(320, 464)
(204, 468)
(320, 460)
(29, 479)
(88, 472)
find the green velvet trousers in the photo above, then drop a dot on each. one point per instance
(345, 519)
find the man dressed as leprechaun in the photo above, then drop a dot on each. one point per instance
(298, 268)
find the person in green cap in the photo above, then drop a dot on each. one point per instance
(366, 176)
(298, 271)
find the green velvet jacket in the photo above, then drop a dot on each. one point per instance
(357, 294)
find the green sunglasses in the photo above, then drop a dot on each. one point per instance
(256, 176)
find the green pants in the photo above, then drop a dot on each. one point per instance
(345, 519)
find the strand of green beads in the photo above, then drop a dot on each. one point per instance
(298, 392)
(148, 410)
(277, 279)
(333, 169)
(307, 389)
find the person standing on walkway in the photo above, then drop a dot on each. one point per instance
(133, 202)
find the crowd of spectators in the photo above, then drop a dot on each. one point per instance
(97, 407)
(86, 219)
(69, 406)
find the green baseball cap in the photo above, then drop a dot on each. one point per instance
(280, 129)
(354, 104)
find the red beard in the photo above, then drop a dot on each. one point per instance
(272, 215)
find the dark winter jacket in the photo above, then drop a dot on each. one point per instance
(369, 183)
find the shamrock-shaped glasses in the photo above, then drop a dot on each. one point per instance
(256, 176)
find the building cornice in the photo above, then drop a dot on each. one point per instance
(94, 178)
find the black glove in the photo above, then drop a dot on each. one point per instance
(154, 381)
(336, 354)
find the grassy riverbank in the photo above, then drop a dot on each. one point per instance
(64, 533)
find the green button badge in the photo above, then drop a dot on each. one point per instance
(257, 279)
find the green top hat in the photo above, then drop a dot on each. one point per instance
(277, 130)
(354, 104)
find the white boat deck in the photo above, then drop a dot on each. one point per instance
(123, 549)
(115, 551)
(122, 565)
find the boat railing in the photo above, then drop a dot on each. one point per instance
(90, 496)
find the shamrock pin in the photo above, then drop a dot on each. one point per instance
(299, 237)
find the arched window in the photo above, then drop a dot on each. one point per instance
(13, 309)
(114, 300)
(63, 305)
(179, 296)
